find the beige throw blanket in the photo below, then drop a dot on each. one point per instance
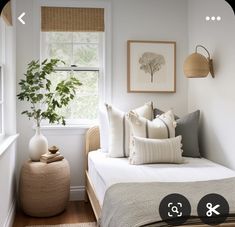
(137, 204)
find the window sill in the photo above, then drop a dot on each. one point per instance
(7, 142)
(66, 127)
(61, 130)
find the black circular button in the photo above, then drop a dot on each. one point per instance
(175, 209)
(213, 209)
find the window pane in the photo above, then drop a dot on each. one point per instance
(86, 55)
(62, 52)
(80, 49)
(86, 37)
(56, 78)
(1, 85)
(85, 105)
(1, 126)
(89, 82)
(55, 37)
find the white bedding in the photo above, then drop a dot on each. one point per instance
(105, 171)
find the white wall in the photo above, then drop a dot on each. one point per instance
(7, 187)
(131, 19)
(214, 97)
(7, 151)
(149, 20)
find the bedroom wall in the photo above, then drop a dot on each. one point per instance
(149, 20)
(7, 143)
(131, 19)
(214, 97)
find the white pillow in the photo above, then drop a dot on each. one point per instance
(119, 129)
(162, 127)
(104, 129)
(156, 151)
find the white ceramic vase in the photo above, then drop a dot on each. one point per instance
(38, 145)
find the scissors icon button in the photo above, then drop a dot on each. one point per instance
(212, 209)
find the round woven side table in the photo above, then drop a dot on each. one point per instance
(44, 188)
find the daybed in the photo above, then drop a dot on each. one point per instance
(102, 173)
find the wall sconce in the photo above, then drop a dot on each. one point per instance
(196, 65)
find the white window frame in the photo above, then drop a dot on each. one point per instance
(106, 71)
(98, 69)
(2, 61)
(2, 131)
(107, 37)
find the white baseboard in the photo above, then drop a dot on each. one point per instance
(11, 215)
(77, 193)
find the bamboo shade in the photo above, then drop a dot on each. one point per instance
(6, 13)
(66, 19)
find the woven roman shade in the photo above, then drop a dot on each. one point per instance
(6, 13)
(66, 19)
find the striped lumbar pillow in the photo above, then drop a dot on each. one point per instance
(162, 127)
(119, 129)
(156, 151)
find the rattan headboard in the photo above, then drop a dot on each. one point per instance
(92, 140)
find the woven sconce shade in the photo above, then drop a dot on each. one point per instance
(6, 13)
(196, 65)
(66, 19)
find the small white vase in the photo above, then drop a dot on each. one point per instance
(38, 145)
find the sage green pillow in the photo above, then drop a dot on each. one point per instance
(188, 128)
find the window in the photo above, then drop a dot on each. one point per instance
(1, 103)
(2, 61)
(82, 54)
(75, 36)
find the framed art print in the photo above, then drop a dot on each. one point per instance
(151, 66)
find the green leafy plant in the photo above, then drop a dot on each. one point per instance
(45, 101)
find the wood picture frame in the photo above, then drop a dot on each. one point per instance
(151, 66)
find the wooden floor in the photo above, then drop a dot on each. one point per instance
(75, 213)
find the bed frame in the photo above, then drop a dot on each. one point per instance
(93, 143)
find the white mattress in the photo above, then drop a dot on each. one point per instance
(105, 171)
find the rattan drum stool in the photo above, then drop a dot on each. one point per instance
(44, 188)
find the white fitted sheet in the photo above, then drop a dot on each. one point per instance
(105, 171)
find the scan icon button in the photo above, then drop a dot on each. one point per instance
(175, 209)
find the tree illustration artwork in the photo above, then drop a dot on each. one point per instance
(151, 63)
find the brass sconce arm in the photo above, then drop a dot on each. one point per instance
(210, 61)
(209, 56)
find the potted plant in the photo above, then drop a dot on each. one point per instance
(44, 101)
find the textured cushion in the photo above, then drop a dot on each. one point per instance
(161, 127)
(119, 129)
(187, 126)
(157, 112)
(156, 151)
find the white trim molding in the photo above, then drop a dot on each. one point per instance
(7, 142)
(64, 130)
(77, 193)
(11, 215)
